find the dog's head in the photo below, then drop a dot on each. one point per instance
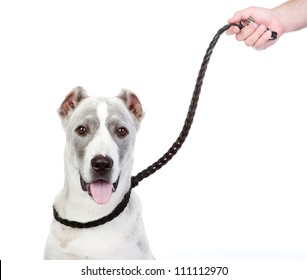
(100, 136)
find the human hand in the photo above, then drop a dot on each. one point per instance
(256, 34)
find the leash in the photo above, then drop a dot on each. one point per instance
(193, 105)
(190, 115)
(176, 145)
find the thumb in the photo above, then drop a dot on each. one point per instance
(240, 15)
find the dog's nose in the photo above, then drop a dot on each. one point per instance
(102, 164)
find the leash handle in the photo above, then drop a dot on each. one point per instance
(245, 22)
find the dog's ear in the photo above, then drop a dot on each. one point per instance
(71, 101)
(133, 103)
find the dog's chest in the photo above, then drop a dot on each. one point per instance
(102, 242)
(99, 244)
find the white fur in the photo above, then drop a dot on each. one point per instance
(123, 237)
(102, 144)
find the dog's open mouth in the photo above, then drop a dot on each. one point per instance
(100, 190)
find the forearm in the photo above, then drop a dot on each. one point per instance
(292, 15)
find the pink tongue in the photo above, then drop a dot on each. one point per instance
(101, 191)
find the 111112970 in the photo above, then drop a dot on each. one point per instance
(190, 271)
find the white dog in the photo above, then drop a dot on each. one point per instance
(97, 216)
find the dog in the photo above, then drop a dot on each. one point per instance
(100, 138)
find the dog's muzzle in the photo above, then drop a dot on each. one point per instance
(100, 189)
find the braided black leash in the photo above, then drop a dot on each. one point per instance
(117, 210)
(190, 116)
(168, 155)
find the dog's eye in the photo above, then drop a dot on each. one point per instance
(122, 132)
(81, 130)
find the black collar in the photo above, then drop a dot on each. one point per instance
(117, 210)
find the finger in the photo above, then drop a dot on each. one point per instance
(261, 43)
(233, 30)
(255, 36)
(246, 32)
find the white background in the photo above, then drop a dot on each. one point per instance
(236, 190)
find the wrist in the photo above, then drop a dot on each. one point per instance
(292, 15)
(278, 24)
